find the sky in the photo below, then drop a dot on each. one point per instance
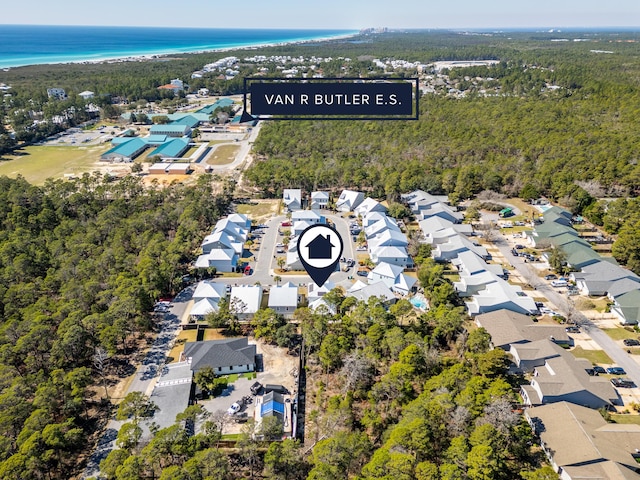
(328, 14)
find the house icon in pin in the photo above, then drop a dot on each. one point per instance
(320, 248)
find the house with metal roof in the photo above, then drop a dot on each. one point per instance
(605, 278)
(364, 292)
(580, 444)
(174, 148)
(369, 205)
(500, 295)
(455, 245)
(308, 216)
(203, 307)
(234, 355)
(319, 200)
(315, 292)
(245, 300)
(125, 152)
(394, 255)
(190, 121)
(222, 259)
(284, 299)
(349, 200)
(209, 289)
(170, 130)
(292, 199)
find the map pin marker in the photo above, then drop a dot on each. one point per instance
(319, 249)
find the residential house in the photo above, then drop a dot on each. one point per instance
(564, 378)
(349, 200)
(209, 289)
(292, 199)
(309, 216)
(386, 223)
(605, 278)
(469, 285)
(241, 220)
(56, 93)
(434, 224)
(369, 205)
(319, 200)
(530, 355)
(203, 307)
(320, 305)
(364, 292)
(299, 227)
(234, 355)
(385, 273)
(580, 444)
(394, 255)
(86, 95)
(373, 217)
(315, 292)
(245, 300)
(284, 299)
(508, 328)
(468, 263)
(449, 250)
(222, 259)
(500, 295)
(627, 307)
(221, 240)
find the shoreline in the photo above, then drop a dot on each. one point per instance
(166, 53)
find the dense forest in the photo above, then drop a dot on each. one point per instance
(81, 264)
(390, 395)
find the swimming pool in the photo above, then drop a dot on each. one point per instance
(419, 302)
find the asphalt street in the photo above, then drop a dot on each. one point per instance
(619, 356)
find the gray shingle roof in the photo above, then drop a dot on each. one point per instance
(220, 353)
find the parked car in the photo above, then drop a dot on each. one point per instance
(575, 330)
(234, 408)
(362, 273)
(622, 382)
(550, 277)
(631, 342)
(599, 369)
(280, 250)
(519, 247)
(361, 249)
(558, 283)
(514, 252)
(590, 371)
(616, 371)
(286, 224)
(255, 388)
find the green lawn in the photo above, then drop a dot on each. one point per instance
(594, 356)
(626, 419)
(37, 163)
(619, 333)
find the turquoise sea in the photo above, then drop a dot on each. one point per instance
(37, 44)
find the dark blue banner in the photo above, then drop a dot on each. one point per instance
(350, 98)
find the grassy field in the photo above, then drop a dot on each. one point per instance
(619, 333)
(626, 419)
(594, 356)
(263, 209)
(223, 155)
(37, 163)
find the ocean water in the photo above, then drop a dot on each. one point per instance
(37, 44)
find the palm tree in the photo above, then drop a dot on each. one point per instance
(277, 279)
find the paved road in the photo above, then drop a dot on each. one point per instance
(264, 268)
(145, 377)
(606, 343)
(243, 151)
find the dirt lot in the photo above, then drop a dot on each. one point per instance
(278, 369)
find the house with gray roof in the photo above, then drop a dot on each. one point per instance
(564, 378)
(222, 259)
(364, 292)
(605, 278)
(580, 444)
(500, 295)
(227, 356)
(527, 356)
(369, 205)
(627, 307)
(509, 328)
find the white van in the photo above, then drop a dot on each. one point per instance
(559, 283)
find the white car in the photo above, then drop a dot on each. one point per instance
(234, 408)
